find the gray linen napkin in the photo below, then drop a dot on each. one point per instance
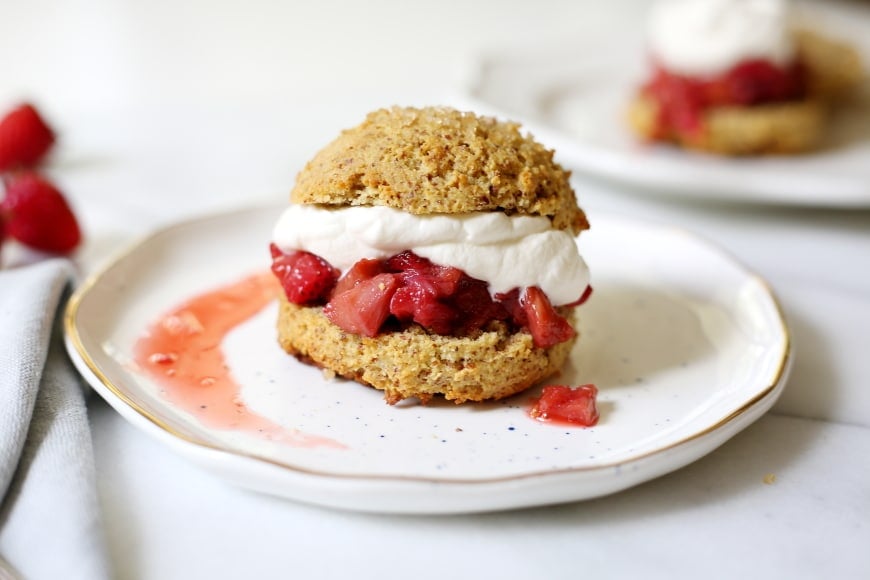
(49, 515)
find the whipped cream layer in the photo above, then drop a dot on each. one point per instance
(506, 251)
(705, 38)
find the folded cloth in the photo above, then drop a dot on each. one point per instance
(49, 516)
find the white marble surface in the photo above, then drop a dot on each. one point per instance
(168, 110)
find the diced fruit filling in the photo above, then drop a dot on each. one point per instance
(364, 308)
(682, 100)
(306, 278)
(545, 324)
(563, 404)
(406, 288)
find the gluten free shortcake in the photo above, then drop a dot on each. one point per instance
(431, 252)
(737, 77)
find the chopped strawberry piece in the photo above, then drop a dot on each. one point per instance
(432, 315)
(418, 299)
(408, 260)
(306, 278)
(411, 289)
(475, 305)
(547, 326)
(444, 278)
(563, 404)
(682, 100)
(758, 81)
(363, 308)
(25, 138)
(410, 303)
(510, 301)
(421, 284)
(447, 279)
(362, 270)
(38, 215)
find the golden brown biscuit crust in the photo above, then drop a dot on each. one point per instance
(440, 161)
(413, 363)
(833, 68)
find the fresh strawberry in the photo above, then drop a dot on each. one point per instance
(411, 289)
(547, 326)
(38, 215)
(408, 260)
(566, 405)
(362, 270)
(436, 317)
(510, 301)
(306, 278)
(473, 305)
(417, 300)
(25, 138)
(444, 279)
(428, 296)
(364, 308)
(447, 279)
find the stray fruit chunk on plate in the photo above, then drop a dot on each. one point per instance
(563, 404)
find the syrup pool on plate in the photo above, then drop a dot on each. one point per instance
(182, 352)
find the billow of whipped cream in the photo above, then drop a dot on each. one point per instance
(506, 251)
(707, 37)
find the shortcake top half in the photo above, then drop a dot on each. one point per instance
(440, 161)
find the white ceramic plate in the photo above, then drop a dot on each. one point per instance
(574, 100)
(686, 347)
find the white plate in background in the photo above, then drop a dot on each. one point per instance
(574, 100)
